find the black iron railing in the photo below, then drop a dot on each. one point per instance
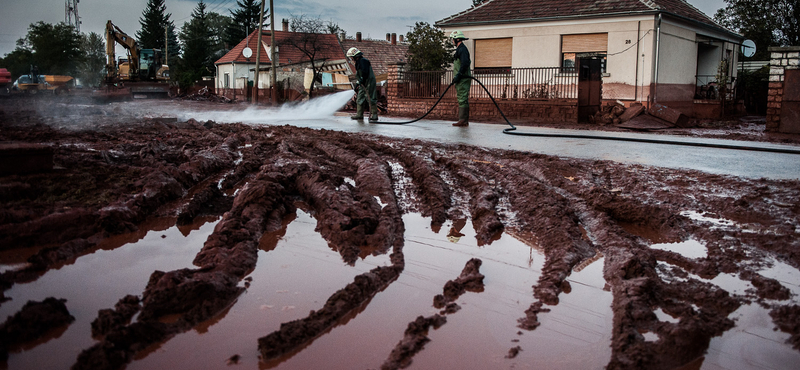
(708, 87)
(503, 83)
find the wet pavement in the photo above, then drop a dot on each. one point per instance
(743, 163)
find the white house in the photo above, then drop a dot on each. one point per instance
(655, 50)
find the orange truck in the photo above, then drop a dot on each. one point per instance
(51, 83)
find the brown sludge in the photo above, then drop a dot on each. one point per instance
(415, 336)
(111, 174)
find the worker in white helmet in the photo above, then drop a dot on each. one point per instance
(461, 78)
(366, 89)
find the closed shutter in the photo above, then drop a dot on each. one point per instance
(493, 53)
(584, 43)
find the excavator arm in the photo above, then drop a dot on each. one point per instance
(114, 35)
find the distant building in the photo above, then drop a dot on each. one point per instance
(234, 71)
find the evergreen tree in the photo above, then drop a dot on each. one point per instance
(218, 24)
(196, 60)
(154, 21)
(244, 21)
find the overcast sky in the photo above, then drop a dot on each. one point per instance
(373, 18)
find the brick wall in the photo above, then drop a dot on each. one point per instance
(783, 58)
(561, 110)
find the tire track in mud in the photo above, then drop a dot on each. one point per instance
(575, 210)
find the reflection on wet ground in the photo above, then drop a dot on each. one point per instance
(122, 265)
(297, 272)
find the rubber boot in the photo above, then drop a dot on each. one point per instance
(463, 117)
(373, 113)
(359, 112)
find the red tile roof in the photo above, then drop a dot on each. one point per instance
(380, 53)
(287, 54)
(506, 11)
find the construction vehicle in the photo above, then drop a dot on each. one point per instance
(33, 84)
(141, 73)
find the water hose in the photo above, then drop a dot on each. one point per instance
(512, 131)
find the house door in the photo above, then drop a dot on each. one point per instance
(790, 106)
(590, 85)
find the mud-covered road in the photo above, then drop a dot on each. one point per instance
(326, 249)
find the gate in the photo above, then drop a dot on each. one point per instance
(790, 106)
(590, 85)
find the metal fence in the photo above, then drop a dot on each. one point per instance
(707, 87)
(506, 83)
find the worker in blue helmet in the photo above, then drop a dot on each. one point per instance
(461, 78)
(366, 90)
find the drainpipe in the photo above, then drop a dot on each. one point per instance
(638, 45)
(658, 54)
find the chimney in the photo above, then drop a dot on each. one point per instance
(394, 39)
(358, 36)
(401, 38)
(342, 36)
(285, 24)
(388, 37)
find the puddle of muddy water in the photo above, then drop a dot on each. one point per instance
(689, 249)
(296, 273)
(576, 334)
(122, 265)
(752, 344)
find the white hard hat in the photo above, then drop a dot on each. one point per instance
(353, 52)
(458, 35)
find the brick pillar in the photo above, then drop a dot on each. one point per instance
(782, 58)
(394, 86)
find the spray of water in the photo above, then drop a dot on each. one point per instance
(317, 108)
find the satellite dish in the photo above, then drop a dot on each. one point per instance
(748, 48)
(247, 52)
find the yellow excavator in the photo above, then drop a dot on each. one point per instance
(142, 72)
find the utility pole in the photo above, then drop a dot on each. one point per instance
(258, 49)
(272, 49)
(166, 45)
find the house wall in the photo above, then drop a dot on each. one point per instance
(236, 71)
(539, 45)
(632, 49)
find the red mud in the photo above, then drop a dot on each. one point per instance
(111, 177)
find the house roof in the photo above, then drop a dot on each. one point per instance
(511, 11)
(380, 53)
(287, 54)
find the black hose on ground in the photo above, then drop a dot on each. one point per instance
(511, 131)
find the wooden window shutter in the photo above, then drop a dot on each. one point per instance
(493, 53)
(584, 43)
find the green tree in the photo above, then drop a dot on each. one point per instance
(428, 48)
(767, 22)
(244, 21)
(18, 62)
(92, 67)
(154, 21)
(55, 48)
(217, 25)
(196, 59)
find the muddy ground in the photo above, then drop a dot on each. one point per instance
(114, 172)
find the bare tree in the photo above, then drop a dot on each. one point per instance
(311, 37)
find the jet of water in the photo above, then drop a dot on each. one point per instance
(317, 108)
